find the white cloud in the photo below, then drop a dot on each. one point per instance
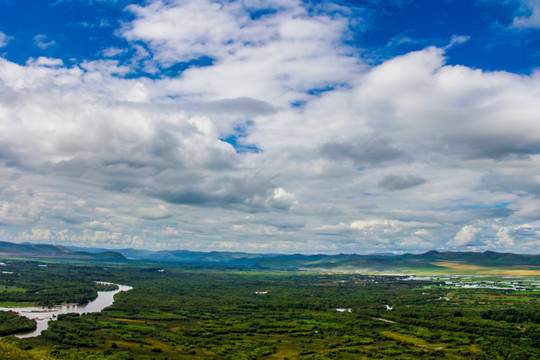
(98, 225)
(252, 229)
(4, 39)
(370, 225)
(504, 239)
(272, 58)
(113, 51)
(403, 155)
(37, 235)
(45, 61)
(531, 18)
(185, 30)
(527, 208)
(281, 199)
(457, 39)
(158, 213)
(43, 42)
(181, 31)
(465, 237)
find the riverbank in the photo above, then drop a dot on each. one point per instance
(43, 315)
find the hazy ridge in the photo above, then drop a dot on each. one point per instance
(55, 251)
(429, 261)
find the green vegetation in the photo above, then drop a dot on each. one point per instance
(27, 283)
(10, 352)
(10, 288)
(211, 313)
(11, 322)
(431, 262)
(55, 251)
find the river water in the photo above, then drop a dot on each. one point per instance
(43, 315)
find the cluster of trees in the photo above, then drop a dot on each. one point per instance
(513, 315)
(11, 323)
(10, 352)
(49, 285)
(196, 313)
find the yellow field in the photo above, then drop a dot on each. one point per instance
(510, 272)
(487, 270)
(459, 266)
(413, 340)
(128, 320)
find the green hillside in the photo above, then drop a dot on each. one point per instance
(8, 249)
(429, 261)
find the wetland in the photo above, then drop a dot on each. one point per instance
(196, 312)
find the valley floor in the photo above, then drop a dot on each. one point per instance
(176, 312)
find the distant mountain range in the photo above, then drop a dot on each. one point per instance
(186, 256)
(431, 261)
(26, 250)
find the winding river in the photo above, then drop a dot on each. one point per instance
(43, 315)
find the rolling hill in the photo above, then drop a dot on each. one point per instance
(429, 262)
(8, 249)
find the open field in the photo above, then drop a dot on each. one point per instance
(459, 266)
(16, 304)
(11, 288)
(510, 272)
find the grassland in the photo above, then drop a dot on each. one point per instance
(449, 267)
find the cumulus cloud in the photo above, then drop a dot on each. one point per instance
(251, 229)
(362, 152)
(112, 52)
(465, 237)
(342, 150)
(527, 208)
(504, 239)
(43, 42)
(245, 106)
(398, 182)
(268, 58)
(158, 213)
(115, 144)
(281, 199)
(423, 101)
(457, 39)
(531, 16)
(45, 61)
(185, 30)
(38, 235)
(4, 39)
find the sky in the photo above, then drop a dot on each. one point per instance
(271, 126)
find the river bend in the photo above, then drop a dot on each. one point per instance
(43, 315)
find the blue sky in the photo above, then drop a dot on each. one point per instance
(82, 30)
(271, 125)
